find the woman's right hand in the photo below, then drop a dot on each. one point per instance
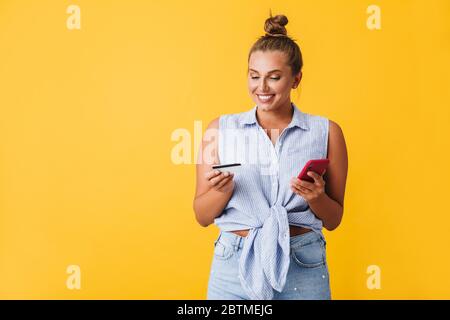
(220, 181)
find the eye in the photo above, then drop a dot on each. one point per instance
(278, 78)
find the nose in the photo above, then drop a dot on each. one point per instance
(264, 87)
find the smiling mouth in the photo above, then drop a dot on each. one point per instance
(265, 97)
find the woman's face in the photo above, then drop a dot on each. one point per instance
(270, 79)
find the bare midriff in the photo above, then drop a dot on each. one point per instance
(293, 230)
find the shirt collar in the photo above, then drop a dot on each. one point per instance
(298, 118)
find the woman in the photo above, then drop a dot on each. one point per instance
(271, 244)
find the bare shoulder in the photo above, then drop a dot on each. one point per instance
(334, 129)
(210, 139)
(214, 124)
(336, 174)
(335, 137)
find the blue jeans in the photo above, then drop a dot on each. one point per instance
(307, 277)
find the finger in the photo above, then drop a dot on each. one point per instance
(214, 181)
(318, 180)
(297, 181)
(313, 175)
(305, 184)
(224, 182)
(317, 177)
(299, 189)
(304, 191)
(299, 192)
(295, 189)
(211, 174)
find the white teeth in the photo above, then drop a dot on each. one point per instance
(265, 97)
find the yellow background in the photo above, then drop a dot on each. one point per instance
(86, 118)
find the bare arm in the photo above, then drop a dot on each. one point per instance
(330, 208)
(213, 189)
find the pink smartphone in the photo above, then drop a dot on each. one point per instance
(316, 165)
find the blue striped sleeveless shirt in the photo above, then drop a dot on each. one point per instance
(262, 200)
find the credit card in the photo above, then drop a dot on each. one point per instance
(232, 167)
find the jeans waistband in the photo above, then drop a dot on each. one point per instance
(237, 242)
(232, 239)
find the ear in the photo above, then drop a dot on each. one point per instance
(297, 79)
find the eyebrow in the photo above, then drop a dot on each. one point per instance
(267, 72)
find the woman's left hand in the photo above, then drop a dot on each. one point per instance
(310, 191)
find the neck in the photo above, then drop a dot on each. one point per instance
(280, 117)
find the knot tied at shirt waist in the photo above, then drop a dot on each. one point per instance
(264, 260)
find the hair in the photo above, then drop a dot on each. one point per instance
(276, 38)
